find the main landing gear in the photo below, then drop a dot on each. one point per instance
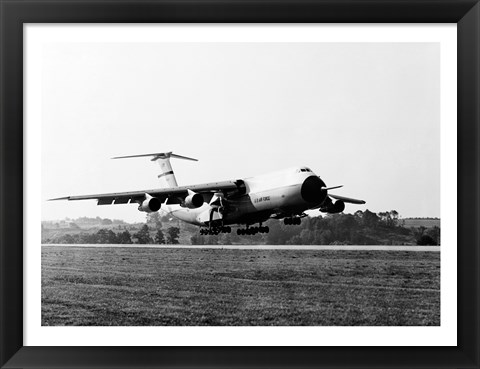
(252, 231)
(215, 230)
(292, 221)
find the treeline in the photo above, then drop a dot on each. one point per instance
(107, 236)
(361, 228)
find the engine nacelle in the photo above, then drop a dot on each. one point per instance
(332, 208)
(193, 200)
(338, 207)
(150, 204)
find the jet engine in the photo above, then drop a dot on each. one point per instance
(312, 190)
(331, 207)
(150, 204)
(193, 200)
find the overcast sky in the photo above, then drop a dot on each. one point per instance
(365, 115)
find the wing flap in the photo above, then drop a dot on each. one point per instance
(105, 201)
(122, 200)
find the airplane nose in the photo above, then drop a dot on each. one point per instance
(311, 190)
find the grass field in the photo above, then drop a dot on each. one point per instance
(141, 286)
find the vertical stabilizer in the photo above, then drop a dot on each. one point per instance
(163, 159)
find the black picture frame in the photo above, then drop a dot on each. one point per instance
(15, 13)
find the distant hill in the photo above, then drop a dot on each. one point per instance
(83, 223)
(420, 222)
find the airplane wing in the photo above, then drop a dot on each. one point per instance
(347, 199)
(174, 195)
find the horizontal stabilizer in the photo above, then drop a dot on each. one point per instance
(182, 157)
(347, 199)
(158, 155)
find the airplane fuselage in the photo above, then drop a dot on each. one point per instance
(282, 193)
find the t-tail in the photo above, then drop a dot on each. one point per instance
(163, 159)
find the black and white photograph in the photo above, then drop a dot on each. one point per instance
(241, 184)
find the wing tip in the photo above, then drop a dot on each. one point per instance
(60, 198)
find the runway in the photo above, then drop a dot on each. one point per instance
(264, 247)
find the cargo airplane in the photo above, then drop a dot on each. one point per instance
(215, 206)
